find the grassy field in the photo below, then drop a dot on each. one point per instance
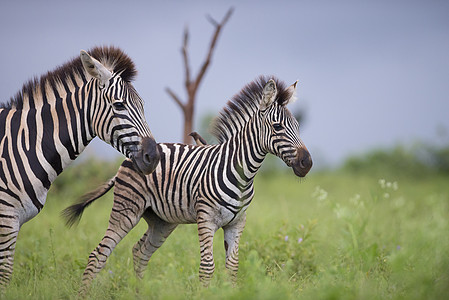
(334, 235)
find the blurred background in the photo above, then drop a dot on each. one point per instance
(372, 74)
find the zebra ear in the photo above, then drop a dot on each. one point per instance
(95, 68)
(292, 92)
(269, 94)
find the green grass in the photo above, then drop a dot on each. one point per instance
(334, 235)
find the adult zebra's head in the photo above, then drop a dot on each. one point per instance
(117, 117)
(280, 130)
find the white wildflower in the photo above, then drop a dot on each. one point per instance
(340, 211)
(395, 186)
(399, 202)
(320, 194)
(356, 200)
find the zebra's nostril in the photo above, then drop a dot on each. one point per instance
(306, 162)
(148, 156)
(304, 159)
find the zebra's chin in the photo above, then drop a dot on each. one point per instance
(299, 171)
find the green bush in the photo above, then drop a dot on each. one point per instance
(417, 161)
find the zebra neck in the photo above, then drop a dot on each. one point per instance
(75, 122)
(54, 131)
(248, 154)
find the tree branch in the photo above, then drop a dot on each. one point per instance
(185, 57)
(212, 20)
(218, 27)
(188, 107)
(175, 98)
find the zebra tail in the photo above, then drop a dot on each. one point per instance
(73, 213)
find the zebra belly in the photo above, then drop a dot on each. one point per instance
(176, 214)
(174, 211)
(225, 217)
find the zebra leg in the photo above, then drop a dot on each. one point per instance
(122, 220)
(9, 230)
(232, 234)
(206, 231)
(153, 238)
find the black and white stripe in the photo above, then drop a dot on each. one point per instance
(211, 185)
(50, 122)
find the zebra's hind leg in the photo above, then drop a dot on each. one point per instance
(154, 237)
(9, 230)
(232, 234)
(122, 220)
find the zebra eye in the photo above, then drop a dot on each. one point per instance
(278, 126)
(118, 105)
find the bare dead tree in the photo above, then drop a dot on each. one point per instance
(191, 85)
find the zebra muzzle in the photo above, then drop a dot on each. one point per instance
(148, 157)
(302, 163)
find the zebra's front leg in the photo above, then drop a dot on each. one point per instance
(153, 238)
(232, 234)
(206, 231)
(9, 230)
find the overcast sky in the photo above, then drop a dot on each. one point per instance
(371, 73)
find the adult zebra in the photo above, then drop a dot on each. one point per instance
(50, 122)
(211, 185)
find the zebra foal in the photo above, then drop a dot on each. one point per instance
(51, 121)
(211, 185)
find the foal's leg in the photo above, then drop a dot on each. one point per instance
(232, 233)
(9, 230)
(206, 231)
(122, 220)
(154, 237)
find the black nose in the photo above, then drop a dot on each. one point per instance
(305, 160)
(150, 153)
(147, 159)
(302, 163)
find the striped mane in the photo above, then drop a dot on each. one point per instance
(111, 57)
(243, 106)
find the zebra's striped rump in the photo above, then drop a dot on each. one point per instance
(211, 185)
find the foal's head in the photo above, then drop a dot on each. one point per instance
(280, 130)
